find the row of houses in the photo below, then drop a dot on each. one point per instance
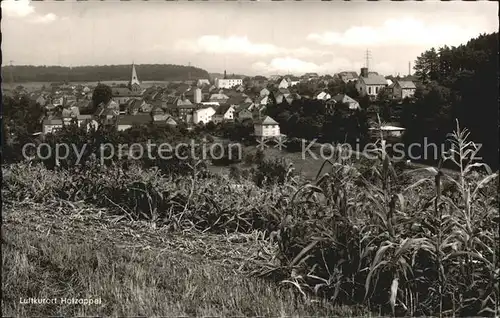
(122, 122)
(263, 127)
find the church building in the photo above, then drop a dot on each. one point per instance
(122, 95)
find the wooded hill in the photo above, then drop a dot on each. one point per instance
(145, 72)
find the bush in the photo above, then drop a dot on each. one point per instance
(273, 171)
(294, 144)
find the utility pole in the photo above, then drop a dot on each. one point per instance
(11, 73)
(189, 72)
(409, 68)
(368, 56)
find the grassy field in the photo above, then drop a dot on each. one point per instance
(134, 269)
(307, 167)
(152, 242)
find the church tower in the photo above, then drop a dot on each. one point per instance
(135, 85)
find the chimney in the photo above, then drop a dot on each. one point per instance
(225, 74)
(364, 72)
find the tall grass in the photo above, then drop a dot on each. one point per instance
(402, 251)
(353, 237)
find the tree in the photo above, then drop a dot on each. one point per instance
(102, 94)
(459, 83)
(427, 66)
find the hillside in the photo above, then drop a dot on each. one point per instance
(146, 72)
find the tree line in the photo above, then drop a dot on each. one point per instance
(458, 83)
(145, 72)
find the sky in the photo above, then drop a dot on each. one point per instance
(251, 38)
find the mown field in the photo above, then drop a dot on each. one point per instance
(359, 240)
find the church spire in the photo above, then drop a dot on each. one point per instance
(134, 79)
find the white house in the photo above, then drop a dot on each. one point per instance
(323, 95)
(370, 83)
(403, 89)
(228, 82)
(284, 83)
(267, 127)
(202, 81)
(203, 115)
(223, 113)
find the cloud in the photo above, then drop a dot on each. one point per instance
(290, 65)
(401, 31)
(49, 17)
(24, 9)
(21, 8)
(215, 44)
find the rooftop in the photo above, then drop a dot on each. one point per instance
(374, 79)
(267, 121)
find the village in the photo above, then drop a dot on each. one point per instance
(218, 100)
(250, 159)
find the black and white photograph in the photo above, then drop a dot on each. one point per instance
(250, 158)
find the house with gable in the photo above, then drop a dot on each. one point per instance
(403, 89)
(165, 121)
(41, 100)
(134, 106)
(267, 127)
(344, 99)
(243, 114)
(284, 83)
(322, 95)
(183, 109)
(348, 76)
(203, 82)
(264, 92)
(225, 112)
(218, 98)
(203, 115)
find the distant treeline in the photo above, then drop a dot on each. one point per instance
(145, 72)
